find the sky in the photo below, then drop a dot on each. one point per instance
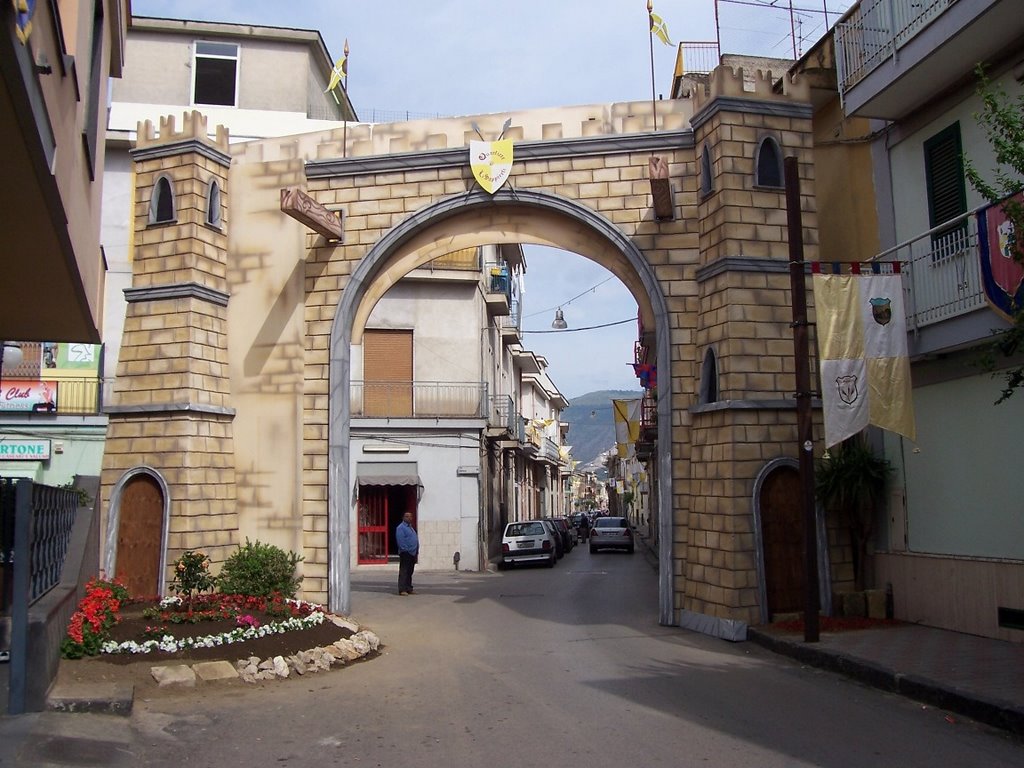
(466, 57)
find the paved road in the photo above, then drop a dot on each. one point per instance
(534, 667)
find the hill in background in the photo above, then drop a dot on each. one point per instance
(592, 423)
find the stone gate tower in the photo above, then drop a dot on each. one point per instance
(171, 417)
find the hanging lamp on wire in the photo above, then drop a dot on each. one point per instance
(559, 323)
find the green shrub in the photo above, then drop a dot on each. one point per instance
(260, 569)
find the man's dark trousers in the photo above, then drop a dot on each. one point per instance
(406, 565)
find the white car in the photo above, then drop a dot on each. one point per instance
(528, 541)
(611, 533)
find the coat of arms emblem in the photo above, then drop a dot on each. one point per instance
(491, 162)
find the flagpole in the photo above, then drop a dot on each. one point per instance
(650, 40)
(804, 426)
(344, 130)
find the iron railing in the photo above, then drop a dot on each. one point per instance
(942, 271)
(875, 31)
(50, 518)
(503, 413)
(698, 57)
(419, 399)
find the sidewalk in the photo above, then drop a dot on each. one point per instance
(978, 677)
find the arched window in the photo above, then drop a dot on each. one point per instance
(709, 378)
(161, 206)
(213, 217)
(769, 164)
(705, 172)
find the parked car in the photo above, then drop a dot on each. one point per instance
(560, 549)
(530, 541)
(611, 532)
(567, 534)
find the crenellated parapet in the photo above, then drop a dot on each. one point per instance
(193, 128)
(749, 82)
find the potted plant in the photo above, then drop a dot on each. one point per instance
(852, 482)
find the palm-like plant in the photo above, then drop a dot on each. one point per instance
(852, 482)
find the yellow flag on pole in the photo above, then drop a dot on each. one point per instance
(659, 28)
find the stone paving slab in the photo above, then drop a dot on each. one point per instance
(175, 674)
(215, 670)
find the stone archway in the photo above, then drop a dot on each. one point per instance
(622, 258)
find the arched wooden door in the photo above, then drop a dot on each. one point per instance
(140, 533)
(782, 534)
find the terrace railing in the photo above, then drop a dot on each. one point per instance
(419, 399)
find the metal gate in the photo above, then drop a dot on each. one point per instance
(373, 525)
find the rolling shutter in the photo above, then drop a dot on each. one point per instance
(387, 373)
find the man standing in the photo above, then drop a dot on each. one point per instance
(408, 552)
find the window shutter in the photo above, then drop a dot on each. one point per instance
(944, 175)
(387, 373)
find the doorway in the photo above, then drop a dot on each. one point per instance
(381, 508)
(140, 534)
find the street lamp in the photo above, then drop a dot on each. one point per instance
(559, 323)
(10, 354)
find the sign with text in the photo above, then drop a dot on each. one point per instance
(16, 449)
(28, 395)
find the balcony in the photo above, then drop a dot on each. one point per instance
(418, 399)
(892, 56)
(498, 295)
(504, 422)
(945, 295)
(66, 396)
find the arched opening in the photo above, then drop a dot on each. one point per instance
(162, 208)
(709, 378)
(476, 219)
(213, 212)
(706, 183)
(136, 543)
(778, 533)
(768, 163)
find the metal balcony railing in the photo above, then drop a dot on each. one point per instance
(875, 31)
(419, 399)
(942, 271)
(503, 413)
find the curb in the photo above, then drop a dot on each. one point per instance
(1001, 714)
(96, 698)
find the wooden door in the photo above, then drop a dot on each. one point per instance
(387, 373)
(140, 534)
(783, 540)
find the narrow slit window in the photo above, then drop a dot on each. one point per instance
(705, 172)
(769, 164)
(213, 217)
(161, 207)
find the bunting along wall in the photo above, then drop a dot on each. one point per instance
(862, 346)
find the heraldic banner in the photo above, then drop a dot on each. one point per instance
(862, 346)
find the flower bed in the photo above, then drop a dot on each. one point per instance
(110, 624)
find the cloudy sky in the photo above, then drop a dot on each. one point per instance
(467, 57)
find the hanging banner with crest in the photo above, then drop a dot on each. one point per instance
(491, 162)
(1002, 269)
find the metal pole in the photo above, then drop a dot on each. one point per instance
(801, 354)
(650, 41)
(22, 587)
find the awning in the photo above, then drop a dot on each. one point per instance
(387, 473)
(389, 479)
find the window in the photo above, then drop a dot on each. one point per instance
(213, 204)
(216, 74)
(709, 379)
(161, 206)
(769, 164)
(705, 172)
(947, 195)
